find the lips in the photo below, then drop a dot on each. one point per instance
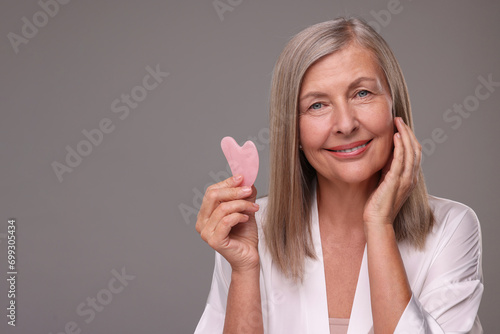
(350, 147)
(350, 151)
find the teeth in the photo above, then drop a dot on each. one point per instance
(351, 149)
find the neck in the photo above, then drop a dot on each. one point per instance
(341, 205)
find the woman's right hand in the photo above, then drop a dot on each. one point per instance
(226, 222)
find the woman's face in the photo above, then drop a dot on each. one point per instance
(346, 124)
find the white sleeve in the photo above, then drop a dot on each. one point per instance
(453, 288)
(212, 319)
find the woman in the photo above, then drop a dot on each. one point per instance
(348, 240)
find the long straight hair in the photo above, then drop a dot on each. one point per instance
(287, 227)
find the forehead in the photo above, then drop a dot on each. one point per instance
(343, 66)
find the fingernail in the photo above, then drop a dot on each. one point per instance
(237, 178)
(398, 135)
(256, 205)
(246, 190)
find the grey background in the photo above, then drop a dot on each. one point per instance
(121, 207)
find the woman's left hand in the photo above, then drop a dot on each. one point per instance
(399, 177)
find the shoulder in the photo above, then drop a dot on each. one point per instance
(456, 234)
(450, 216)
(452, 249)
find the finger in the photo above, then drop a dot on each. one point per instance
(253, 195)
(210, 199)
(224, 191)
(232, 181)
(409, 153)
(214, 197)
(398, 160)
(417, 148)
(413, 155)
(228, 208)
(413, 139)
(220, 234)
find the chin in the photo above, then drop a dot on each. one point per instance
(358, 179)
(354, 176)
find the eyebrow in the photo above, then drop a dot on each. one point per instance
(351, 85)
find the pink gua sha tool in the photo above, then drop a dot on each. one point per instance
(243, 160)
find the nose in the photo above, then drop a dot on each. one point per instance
(344, 120)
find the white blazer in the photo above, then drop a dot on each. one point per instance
(445, 278)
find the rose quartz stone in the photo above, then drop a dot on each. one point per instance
(243, 160)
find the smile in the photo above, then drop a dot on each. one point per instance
(351, 149)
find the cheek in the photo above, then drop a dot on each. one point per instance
(381, 124)
(386, 127)
(385, 131)
(313, 131)
(381, 121)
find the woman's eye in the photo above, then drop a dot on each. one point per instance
(316, 106)
(363, 93)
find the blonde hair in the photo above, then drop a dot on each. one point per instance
(288, 226)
